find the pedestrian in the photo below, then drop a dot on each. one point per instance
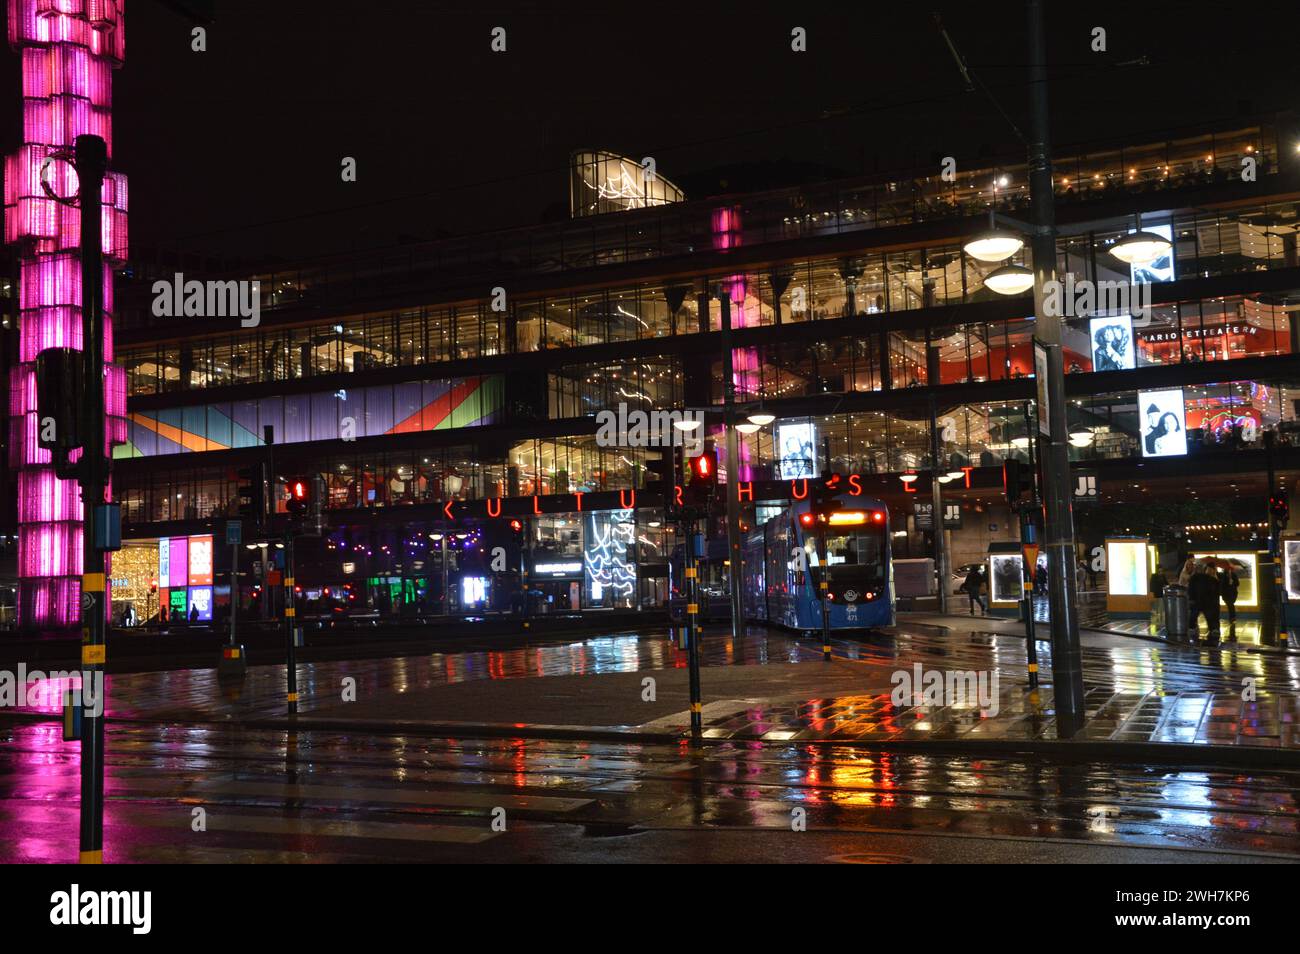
(1229, 586)
(1185, 575)
(1203, 593)
(974, 583)
(1157, 585)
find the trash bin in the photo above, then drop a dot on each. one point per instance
(1176, 612)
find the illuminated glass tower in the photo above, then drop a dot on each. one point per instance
(69, 49)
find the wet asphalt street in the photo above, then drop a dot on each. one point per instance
(179, 791)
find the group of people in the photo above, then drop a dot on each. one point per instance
(1208, 582)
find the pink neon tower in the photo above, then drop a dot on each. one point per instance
(69, 49)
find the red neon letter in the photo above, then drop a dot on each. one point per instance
(579, 496)
(795, 494)
(489, 507)
(966, 471)
(745, 491)
(677, 496)
(447, 508)
(536, 504)
(855, 485)
(625, 504)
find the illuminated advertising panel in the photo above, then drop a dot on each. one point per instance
(1162, 269)
(797, 445)
(1244, 564)
(1291, 558)
(200, 561)
(1126, 567)
(164, 562)
(179, 560)
(201, 599)
(1006, 579)
(1163, 422)
(1112, 343)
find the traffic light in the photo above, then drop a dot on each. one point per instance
(704, 478)
(252, 495)
(825, 497)
(1017, 481)
(661, 479)
(299, 495)
(1280, 507)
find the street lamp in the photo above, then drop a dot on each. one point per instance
(1141, 247)
(995, 245)
(747, 427)
(761, 418)
(1010, 280)
(687, 424)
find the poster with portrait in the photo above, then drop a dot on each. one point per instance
(1291, 562)
(1162, 269)
(797, 443)
(1163, 423)
(1005, 577)
(1112, 343)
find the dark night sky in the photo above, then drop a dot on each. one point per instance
(237, 150)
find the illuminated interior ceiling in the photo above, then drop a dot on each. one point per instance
(602, 181)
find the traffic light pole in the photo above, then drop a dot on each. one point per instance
(290, 625)
(735, 557)
(1276, 634)
(1058, 520)
(693, 628)
(936, 504)
(91, 161)
(823, 589)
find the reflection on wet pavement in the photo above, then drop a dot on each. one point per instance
(328, 796)
(1136, 691)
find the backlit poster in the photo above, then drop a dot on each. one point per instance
(179, 562)
(1291, 558)
(1005, 577)
(1162, 269)
(796, 443)
(1126, 567)
(201, 599)
(164, 562)
(1112, 343)
(1163, 424)
(200, 561)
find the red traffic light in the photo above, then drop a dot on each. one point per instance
(516, 525)
(807, 519)
(704, 467)
(299, 490)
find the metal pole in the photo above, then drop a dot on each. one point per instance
(823, 588)
(290, 625)
(693, 629)
(936, 497)
(1058, 520)
(234, 589)
(734, 555)
(1027, 535)
(1275, 634)
(91, 160)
